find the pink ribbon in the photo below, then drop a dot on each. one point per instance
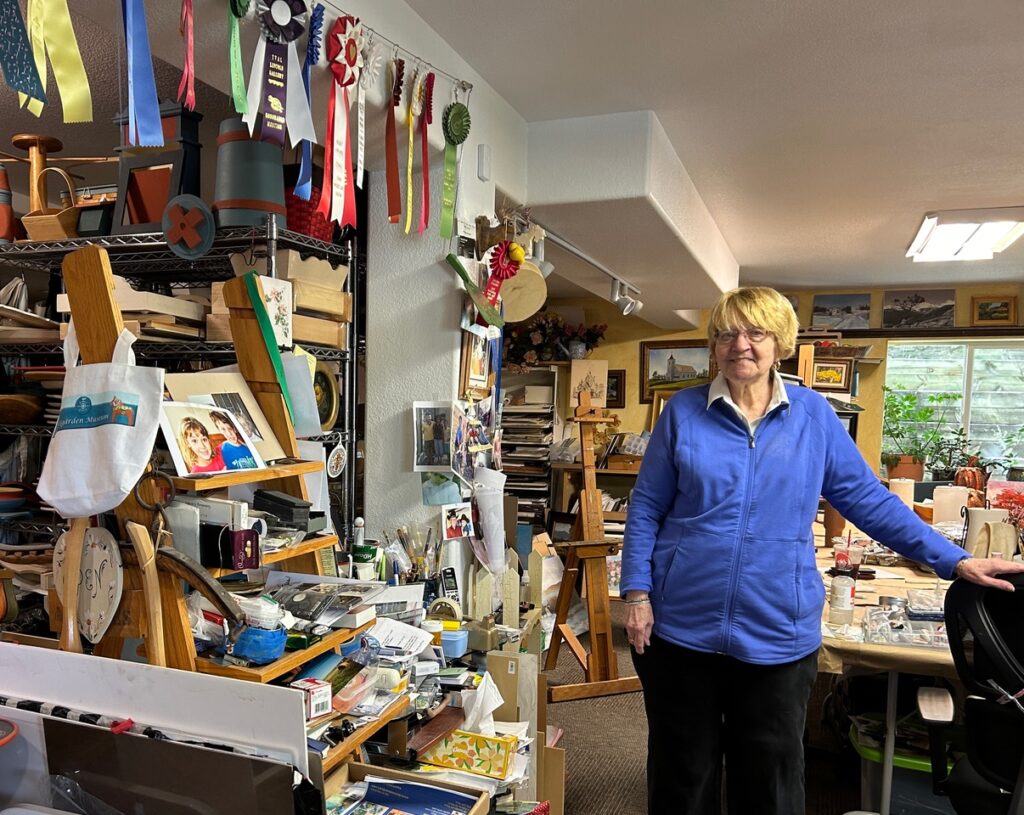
(187, 86)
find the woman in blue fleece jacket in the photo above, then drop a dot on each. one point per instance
(723, 597)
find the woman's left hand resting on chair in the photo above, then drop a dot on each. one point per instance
(983, 570)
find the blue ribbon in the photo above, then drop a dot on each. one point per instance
(304, 184)
(144, 127)
(16, 59)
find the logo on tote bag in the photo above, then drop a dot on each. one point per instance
(97, 410)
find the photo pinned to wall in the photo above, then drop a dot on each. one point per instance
(671, 365)
(431, 432)
(457, 521)
(227, 391)
(924, 308)
(996, 310)
(440, 489)
(841, 312)
(204, 440)
(832, 374)
(616, 389)
(478, 362)
(461, 458)
(588, 375)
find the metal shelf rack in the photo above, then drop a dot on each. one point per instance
(145, 260)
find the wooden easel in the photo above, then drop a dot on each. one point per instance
(599, 665)
(89, 282)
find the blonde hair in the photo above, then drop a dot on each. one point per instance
(190, 425)
(756, 306)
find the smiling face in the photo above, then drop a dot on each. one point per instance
(199, 444)
(227, 430)
(741, 360)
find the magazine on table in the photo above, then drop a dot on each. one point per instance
(380, 796)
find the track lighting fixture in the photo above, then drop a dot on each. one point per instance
(627, 305)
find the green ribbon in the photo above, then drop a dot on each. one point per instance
(455, 123)
(259, 307)
(238, 93)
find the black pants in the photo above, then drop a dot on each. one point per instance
(701, 706)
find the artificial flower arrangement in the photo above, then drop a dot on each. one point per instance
(547, 338)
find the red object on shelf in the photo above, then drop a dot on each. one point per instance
(302, 216)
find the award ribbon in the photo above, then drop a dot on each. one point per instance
(426, 118)
(373, 62)
(391, 143)
(187, 86)
(144, 127)
(344, 57)
(415, 102)
(19, 69)
(304, 183)
(275, 84)
(53, 36)
(236, 10)
(455, 123)
(503, 264)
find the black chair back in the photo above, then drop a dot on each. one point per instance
(986, 637)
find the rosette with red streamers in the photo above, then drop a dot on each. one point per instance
(344, 57)
(502, 267)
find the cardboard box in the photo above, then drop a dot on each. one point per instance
(490, 756)
(292, 266)
(318, 696)
(353, 771)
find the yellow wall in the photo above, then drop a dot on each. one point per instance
(621, 348)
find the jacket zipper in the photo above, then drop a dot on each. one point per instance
(726, 638)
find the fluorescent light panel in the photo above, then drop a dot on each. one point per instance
(966, 234)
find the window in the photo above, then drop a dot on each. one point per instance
(989, 377)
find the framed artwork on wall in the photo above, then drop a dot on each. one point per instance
(839, 312)
(671, 365)
(922, 308)
(475, 376)
(832, 374)
(616, 388)
(996, 310)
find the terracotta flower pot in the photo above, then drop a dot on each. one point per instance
(906, 467)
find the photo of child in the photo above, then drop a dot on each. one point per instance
(203, 440)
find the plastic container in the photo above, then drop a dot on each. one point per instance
(454, 643)
(435, 627)
(356, 690)
(261, 612)
(840, 604)
(260, 646)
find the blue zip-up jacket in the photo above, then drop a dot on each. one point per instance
(719, 524)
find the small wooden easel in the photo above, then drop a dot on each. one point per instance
(599, 665)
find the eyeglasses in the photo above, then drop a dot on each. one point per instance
(753, 335)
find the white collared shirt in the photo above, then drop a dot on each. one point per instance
(720, 390)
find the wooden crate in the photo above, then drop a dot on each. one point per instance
(321, 300)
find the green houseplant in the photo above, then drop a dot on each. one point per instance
(914, 432)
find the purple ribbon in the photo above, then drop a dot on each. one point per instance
(16, 59)
(304, 183)
(144, 126)
(275, 91)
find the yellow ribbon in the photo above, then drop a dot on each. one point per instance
(408, 166)
(51, 32)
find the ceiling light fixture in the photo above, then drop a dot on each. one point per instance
(966, 234)
(620, 297)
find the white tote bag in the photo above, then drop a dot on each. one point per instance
(109, 416)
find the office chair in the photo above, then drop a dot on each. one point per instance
(986, 637)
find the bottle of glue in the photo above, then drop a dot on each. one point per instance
(840, 603)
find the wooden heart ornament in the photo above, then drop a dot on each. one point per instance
(100, 581)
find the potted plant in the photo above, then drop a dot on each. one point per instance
(950, 454)
(912, 431)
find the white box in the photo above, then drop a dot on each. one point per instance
(318, 696)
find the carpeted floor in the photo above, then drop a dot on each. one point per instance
(606, 745)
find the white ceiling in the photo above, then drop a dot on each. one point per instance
(817, 134)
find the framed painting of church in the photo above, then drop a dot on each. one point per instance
(671, 365)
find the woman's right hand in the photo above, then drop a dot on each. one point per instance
(639, 620)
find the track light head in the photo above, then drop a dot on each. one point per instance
(627, 305)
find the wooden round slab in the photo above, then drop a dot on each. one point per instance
(26, 141)
(524, 293)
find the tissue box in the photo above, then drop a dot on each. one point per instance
(318, 696)
(490, 756)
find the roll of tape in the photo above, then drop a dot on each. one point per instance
(260, 526)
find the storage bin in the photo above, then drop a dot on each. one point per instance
(454, 643)
(911, 782)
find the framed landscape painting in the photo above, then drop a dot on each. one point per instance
(924, 308)
(671, 365)
(998, 310)
(841, 311)
(616, 388)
